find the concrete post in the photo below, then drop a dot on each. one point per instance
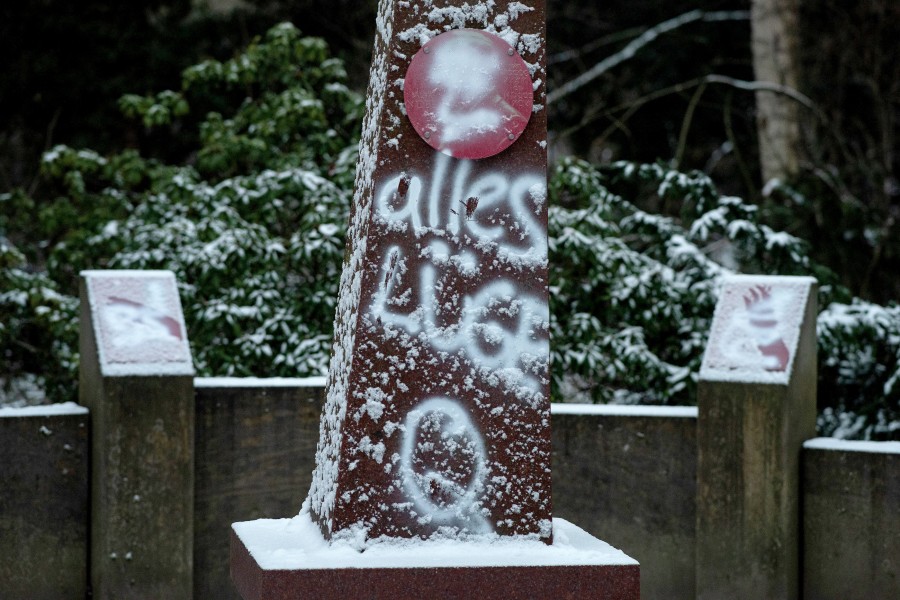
(757, 405)
(44, 501)
(136, 376)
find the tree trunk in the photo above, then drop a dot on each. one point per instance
(774, 44)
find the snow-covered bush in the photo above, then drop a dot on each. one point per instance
(633, 293)
(38, 332)
(253, 226)
(859, 371)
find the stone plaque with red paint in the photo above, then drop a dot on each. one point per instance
(755, 329)
(468, 93)
(437, 419)
(139, 326)
(136, 377)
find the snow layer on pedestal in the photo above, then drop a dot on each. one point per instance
(297, 543)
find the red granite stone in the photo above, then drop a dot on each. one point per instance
(432, 475)
(558, 582)
(437, 416)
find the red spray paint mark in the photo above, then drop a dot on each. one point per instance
(762, 318)
(142, 314)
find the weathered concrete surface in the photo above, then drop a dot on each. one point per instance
(142, 489)
(749, 440)
(142, 477)
(631, 481)
(255, 448)
(851, 525)
(44, 506)
(625, 479)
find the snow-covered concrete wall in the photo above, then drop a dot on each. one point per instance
(851, 519)
(625, 474)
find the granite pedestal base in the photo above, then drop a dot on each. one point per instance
(286, 559)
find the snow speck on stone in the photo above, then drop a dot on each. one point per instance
(538, 194)
(515, 9)
(483, 15)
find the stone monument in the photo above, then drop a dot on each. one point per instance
(436, 428)
(438, 389)
(757, 405)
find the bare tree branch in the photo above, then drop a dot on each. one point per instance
(639, 42)
(632, 106)
(764, 86)
(575, 53)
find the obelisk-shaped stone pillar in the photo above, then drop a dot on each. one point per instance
(136, 376)
(437, 415)
(757, 405)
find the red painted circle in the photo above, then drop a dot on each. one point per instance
(468, 93)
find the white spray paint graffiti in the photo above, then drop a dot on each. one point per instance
(480, 333)
(762, 315)
(130, 323)
(499, 326)
(466, 75)
(521, 195)
(443, 465)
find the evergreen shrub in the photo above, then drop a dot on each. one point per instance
(253, 223)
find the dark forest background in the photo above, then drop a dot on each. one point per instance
(67, 62)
